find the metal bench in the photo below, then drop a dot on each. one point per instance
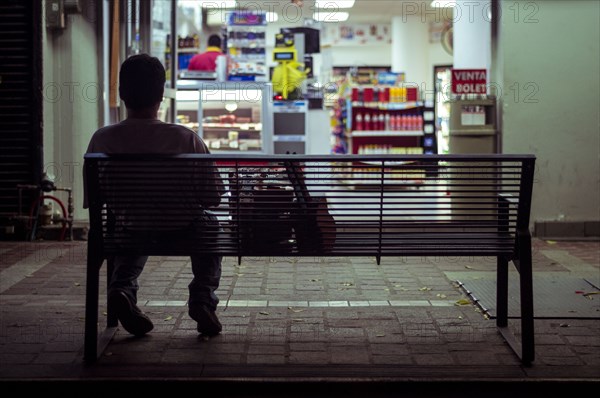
(330, 205)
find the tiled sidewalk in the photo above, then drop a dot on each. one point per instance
(289, 319)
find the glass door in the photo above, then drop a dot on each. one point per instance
(158, 38)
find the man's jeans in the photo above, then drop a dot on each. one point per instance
(206, 269)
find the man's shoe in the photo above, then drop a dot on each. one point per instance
(208, 323)
(132, 318)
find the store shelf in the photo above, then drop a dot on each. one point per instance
(238, 126)
(387, 106)
(387, 133)
(246, 46)
(188, 50)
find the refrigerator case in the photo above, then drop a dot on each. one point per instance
(230, 117)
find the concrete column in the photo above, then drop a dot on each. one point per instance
(409, 48)
(472, 35)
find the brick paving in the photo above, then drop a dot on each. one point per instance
(289, 319)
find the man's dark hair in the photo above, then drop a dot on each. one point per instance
(141, 81)
(214, 41)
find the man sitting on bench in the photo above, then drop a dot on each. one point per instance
(141, 87)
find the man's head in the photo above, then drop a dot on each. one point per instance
(214, 41)
(141, 82)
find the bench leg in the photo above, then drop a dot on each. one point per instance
(91, 309)
(526, 290)
(111, 317)
(525, 349)
(502, 292)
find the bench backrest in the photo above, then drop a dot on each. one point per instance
(310, 205)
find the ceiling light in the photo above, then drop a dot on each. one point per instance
(443, 3)
(231, 106)
(331, 16)
(219, 4)
(272, 16)
(334, 4)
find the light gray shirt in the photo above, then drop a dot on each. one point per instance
(151, 136)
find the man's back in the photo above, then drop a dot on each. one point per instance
(151, 136)
(146, 136)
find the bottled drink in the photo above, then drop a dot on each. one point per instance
(368, 125)
(359, 122)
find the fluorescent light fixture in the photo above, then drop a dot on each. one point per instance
(272, 16)
(225, 95)
(331, 16)
(219, 3)
(443, 3)
(334, 4)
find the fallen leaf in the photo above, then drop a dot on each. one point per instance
(380, 335)
(168, 318)
(468, 267)
(460, 317)
(347, 284)
(564, 325)
(263, 313)
(77, 284)
(425, 289)
(551, 242)
(589, 295)
(441, 295)
(104, 313)
(462, 302)
(297, 320)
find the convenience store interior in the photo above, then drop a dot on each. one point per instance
(541, 100)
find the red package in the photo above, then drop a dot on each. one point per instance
(368, 95)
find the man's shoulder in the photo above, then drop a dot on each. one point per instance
(103, 131)
(177, 128)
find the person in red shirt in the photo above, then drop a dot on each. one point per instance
(207, 61)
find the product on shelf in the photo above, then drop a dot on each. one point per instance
(246, 46)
